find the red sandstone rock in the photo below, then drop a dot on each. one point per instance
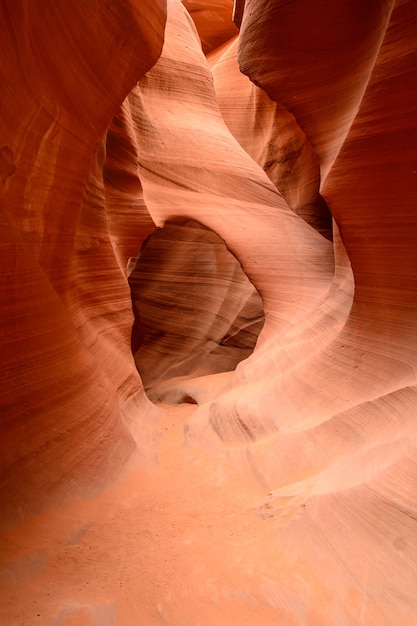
(271, 135)
(293, 500)
(68, 385)
(314, 60)
(213, 20)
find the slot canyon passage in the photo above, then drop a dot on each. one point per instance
(189, 447)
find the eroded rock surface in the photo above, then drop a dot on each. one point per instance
(289, 494)
(68, 385)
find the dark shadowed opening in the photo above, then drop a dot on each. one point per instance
(196, 312)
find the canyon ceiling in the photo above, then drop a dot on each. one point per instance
(208, 331)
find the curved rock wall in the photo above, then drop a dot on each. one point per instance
(66, 365)
(213, 21)
(309, 446)
(271, 135)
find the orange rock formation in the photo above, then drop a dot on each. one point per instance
(288, 495)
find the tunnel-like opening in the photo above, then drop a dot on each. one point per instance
(196, 312)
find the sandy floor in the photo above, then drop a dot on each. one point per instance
(180, 544)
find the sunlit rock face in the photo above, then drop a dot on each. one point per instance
(288, 495)
(271, 135)
(213, 22)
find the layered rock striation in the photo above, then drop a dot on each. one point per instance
(67, 375)
(293, 147)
